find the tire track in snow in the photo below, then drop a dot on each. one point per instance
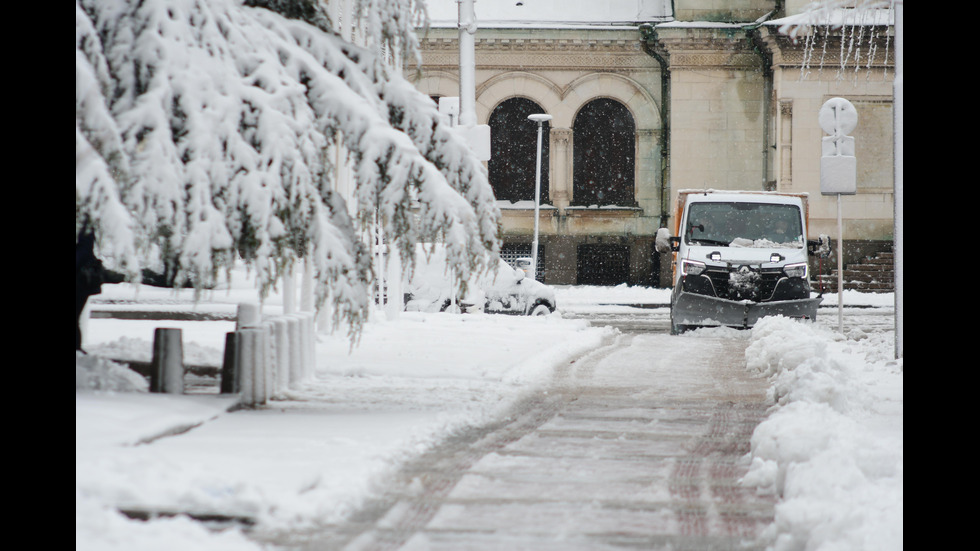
(422, 486)
(638, 445)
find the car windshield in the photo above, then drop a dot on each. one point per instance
(744, 225)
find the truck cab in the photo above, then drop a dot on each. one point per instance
(739, 256)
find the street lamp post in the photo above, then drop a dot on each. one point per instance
(539, 118)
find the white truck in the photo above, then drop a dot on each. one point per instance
(739, 256)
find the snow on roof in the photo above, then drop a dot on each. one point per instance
(835, 18)
(551, 13)
(701, 25)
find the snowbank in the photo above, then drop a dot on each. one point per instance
(832, 448)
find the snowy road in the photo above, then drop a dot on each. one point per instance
(638, 445)
(629, 319)
(656, 319)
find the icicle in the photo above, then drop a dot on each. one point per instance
(807, 53)
(823, 54)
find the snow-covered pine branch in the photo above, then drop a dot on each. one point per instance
(210, 123)
(415, 117)
(99, 157)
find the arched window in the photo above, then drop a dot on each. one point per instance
(514, 150)
(605, 155)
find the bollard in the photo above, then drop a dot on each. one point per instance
(282, 353)
(295, 351)
(310, 349)
(246, 351)
(263, 359)
(249, 315)
(257, 375)
(268, 373)
(303, 348)
(250, 355)
(230, 377)
(167, 369)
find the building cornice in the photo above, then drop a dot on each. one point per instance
(706, 48)
(873, 48)
(588, 53)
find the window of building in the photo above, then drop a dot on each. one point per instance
(514, 150)
(605, 155)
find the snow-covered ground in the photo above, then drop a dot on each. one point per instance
(832, 446)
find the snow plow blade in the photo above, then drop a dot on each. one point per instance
(694, 310)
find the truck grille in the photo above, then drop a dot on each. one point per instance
(743, 283)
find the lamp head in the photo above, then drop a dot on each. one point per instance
(539, 117)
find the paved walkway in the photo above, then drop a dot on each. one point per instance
(639, 445)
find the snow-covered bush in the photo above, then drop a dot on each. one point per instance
(205, 131)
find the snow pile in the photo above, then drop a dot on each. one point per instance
(832, 449)
(576, 296)
(94, 373)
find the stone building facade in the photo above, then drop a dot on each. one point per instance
(651, 97)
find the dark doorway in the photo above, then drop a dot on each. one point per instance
(605, 155)
(514, 147)
(601, 264)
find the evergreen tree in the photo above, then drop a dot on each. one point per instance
(202, 136)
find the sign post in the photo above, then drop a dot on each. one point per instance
(477, 135)
(838, 173)
(539, 118)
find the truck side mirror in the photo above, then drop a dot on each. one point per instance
(819, 248)
(665, 243)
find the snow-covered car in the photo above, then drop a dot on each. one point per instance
(503, 290)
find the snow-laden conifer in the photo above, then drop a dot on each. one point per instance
(203, 132)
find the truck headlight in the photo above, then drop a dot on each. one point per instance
(692, 267)
(795, 270)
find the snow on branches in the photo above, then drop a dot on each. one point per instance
(203, 132)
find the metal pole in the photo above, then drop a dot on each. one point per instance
(840, 265)
(899, 87)
(540, 119)
(467, 63)
(537, 208)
